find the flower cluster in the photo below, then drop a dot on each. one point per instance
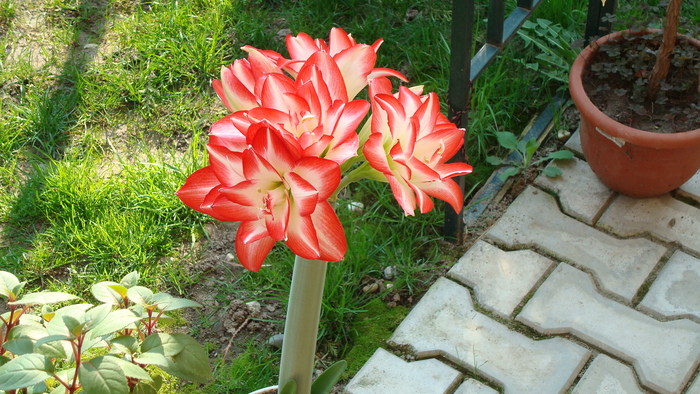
(294, 139)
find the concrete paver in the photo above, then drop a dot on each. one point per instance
(609, 376)
(445, 323)
(500, 279)
(691, 189)
(580, 192)
(534, 220)
(665, 354)
(472, 386)
(676, 290)
(387, 373)
(695, 387)
(664, 217)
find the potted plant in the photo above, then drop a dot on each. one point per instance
(637, 93)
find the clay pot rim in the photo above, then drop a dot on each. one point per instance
(611, 126)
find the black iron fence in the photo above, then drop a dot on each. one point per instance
(465, 69)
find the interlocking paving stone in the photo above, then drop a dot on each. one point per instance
(471, 386)
(444, 322)
(534, 220)
(695, 387)
(664, 354)
(500, 279)
(609, 376)
(580, 192)
(387, 373)
(691, 188)
(574, 143)
(676, 291)
(664, 217)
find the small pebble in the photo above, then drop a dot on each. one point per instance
(275, 341)
(389, 285)
(371, 288)
(230, 257)
(355, 206)
(563, 134)
(270, 308)
(254, 307)
(389, 272)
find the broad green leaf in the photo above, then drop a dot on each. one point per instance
(24, 371)
(115, 321)
(140, 295)
(96, 315)
(165, 344)
(57, 325)
(508, 172)
(43, 297)
(151, 358)
(192, 363)
(289, 387)
(552, 171)
(561, 155)
(24, 339)
(132, 370)
(19, 346)
(144, 387)
(37, 388)
(130, 280)
(507, 139)
(8, 282)
(74, 325)
(60, 389)
(125, 344)
(530, 149)
(325, 381)
(108, 292)
(493, 160)
(178, 303)
(102, 375)
(3, 360)
(52, 338)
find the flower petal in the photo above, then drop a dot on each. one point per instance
(302, 237)
(404, 194)
(355, 64)
(227, 165)
(331, 236)
(305, 196)
(197, 187)
(375, 154)
(446, 190)
(324, 175)
(252, 254)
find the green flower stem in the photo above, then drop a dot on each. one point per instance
(301, 324)
(361, 172)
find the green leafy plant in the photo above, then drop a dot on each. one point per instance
(104, 348)
(555, 52)
(525, 149)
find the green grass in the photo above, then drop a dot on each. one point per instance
(93, 145)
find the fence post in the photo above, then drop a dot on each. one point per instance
(459, 95)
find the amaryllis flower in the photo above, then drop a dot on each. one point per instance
(355, 61)
(276, 194)
(312, 112)
(409, 144)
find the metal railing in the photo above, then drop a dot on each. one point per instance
(464, 69)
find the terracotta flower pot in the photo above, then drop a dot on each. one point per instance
(634, 162)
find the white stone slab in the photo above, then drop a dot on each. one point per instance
(676, 290)
(691, 188)
(574, 143)
(387, 373)
(581, 194)
(533, 220)
(665, 217)
(444, 322)
(609, 376)
(472, 386)
(664, 354)
(695, 387)
(500, 279)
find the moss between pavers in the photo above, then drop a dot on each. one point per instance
(373, 327)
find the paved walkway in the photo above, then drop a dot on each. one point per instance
(574, 289)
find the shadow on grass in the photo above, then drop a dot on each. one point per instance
(56, 115)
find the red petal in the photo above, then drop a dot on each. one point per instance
(375, 154)
(426, 115)
(238, 96)
(197, 187)
(224, 132)
(450, 170)
(225, 210)
(404, 195)
(446, 190)
(301, 237)
(331, 236)
(252, 254)
(386, 72)
(324, 175)
(332, 75)
(227, 165)
(355, 64)
(274, 87)
(396, 116)
(339, 40)
(269, 144)
(301, 47)
(249, 193)
(424, 202)
(304, 194)
(379, 86)
(219, 89)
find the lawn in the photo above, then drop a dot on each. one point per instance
(106, 105)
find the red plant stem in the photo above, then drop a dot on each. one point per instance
(8, 324)
(76, 352)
